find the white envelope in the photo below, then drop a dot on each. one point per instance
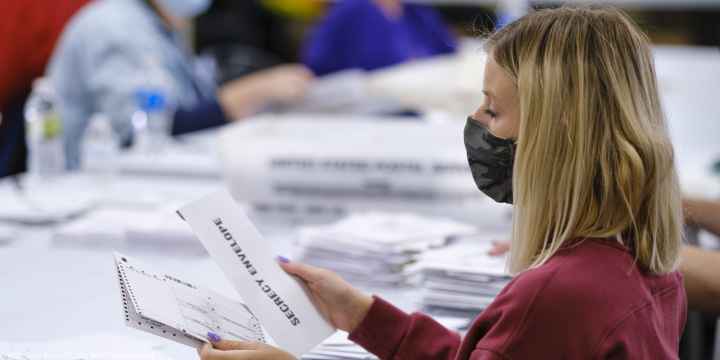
(279, 300)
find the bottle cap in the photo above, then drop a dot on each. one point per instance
(150, 100)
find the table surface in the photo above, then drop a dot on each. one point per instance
(52, 293)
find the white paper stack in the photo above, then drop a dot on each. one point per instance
(174, 162)
(338, 347)
(374, 248)
(129, 228)
(460, 280)
(41, 206)
(7, 235)
(192, 156)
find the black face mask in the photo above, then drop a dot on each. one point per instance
(491, 161)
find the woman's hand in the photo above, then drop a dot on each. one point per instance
(499, 248)
(343, 305)
(282, 84)
(240, 350)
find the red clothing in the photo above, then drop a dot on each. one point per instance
(28, 32)
(589, 301)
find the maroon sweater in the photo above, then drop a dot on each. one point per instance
(589, 301)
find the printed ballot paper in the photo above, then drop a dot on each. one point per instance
(177, 310)
(278, 300)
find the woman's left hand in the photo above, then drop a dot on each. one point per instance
(241, 350)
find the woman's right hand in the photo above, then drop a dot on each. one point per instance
(343, 305)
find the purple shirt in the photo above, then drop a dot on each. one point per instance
(356, 34)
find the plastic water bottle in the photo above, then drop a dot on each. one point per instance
(100, 147)
(46, 154)
(151, 122)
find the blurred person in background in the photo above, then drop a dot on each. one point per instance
(29, 30)
(251, 35)
(113, 48)
(372, 34)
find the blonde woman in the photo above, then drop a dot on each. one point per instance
(571, 132)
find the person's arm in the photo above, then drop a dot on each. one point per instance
(703, 213)
(373, 323)
(701, 270)
(202, 116)
(390, 333)
(119, 75)
(282, 84)
(245, 96)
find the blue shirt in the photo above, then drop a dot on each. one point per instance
(111, 49)
(357, 34)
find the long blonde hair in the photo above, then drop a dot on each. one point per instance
(593, 154)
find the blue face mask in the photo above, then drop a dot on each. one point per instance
(185, 9)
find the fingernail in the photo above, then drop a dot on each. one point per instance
(283, 259)
(213, 337)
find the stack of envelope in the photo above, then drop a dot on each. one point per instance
(7, 235)
(338, 347)
(374, 248)
(42, 207)
(129, 228)
(460, 280)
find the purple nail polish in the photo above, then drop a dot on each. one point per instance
(213, 337)
(283, 259)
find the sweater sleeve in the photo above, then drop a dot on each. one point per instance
(204, 115)
(390, 333)
(326, 49)
(485, 354)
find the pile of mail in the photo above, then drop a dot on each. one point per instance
(129, 228)
(42, 206)
(460, 280)
(374, 248)
(338, 347)
(7, 235)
